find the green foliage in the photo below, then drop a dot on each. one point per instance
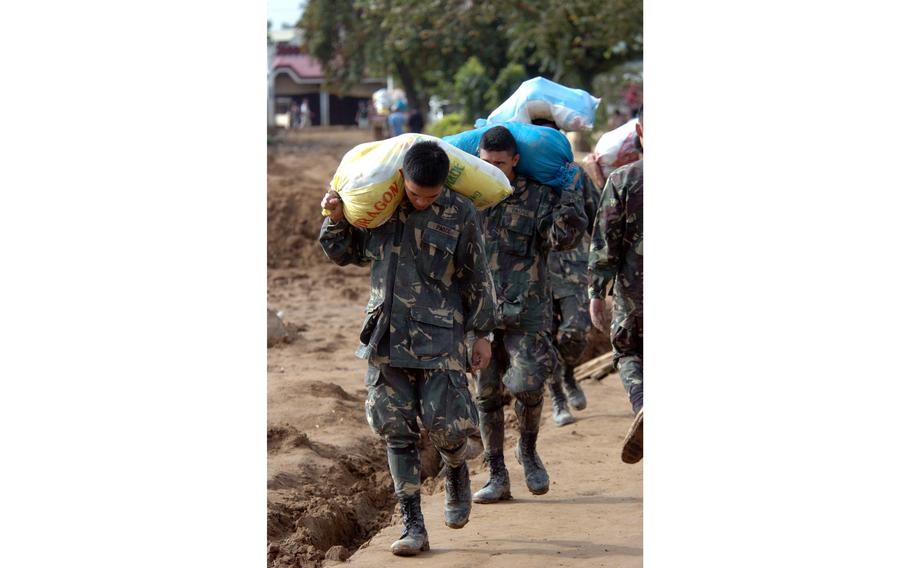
(422, 42)
(425, 43)
(471, 83)
(509, 79)
(449, 124)
(571, 41)
(610, 87)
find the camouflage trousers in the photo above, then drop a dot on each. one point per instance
(571, 322)
(396, 397)
(521, 363)
(626, 335)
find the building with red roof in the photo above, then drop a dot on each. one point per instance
(297, 78)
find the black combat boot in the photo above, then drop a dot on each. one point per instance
(536, 476)
(576, 396)
(497, 488)
(561, 414)
(633, 447)
(458, 496)
(414, 538)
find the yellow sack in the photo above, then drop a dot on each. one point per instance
(371, 185)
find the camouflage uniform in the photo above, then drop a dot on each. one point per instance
(519, 233)
(617, 264)
(430, 284)
(569, 281)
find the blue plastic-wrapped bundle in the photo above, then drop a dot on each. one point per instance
(545, 153)
(571, 109)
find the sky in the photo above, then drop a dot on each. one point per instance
(284, 12)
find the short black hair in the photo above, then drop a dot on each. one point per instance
(498, 139)
(426, 164)
(545, 122)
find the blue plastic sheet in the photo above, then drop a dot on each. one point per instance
(571, 109)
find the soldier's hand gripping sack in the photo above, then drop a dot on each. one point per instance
(371, 185)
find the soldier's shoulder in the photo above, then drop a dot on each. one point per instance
(534, 187)
(628, 175)
(533, 182)
(456, 207)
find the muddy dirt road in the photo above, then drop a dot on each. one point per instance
(329, 491)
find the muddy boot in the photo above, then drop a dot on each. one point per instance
(536, 476)
(633, 445)
(561, 414)
(458, 496)
(577, 398)
(492, 430)
(497, 488)
(414, 538)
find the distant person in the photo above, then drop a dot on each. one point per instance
(415, 121)
(616, 265)
(396, 123)
(363, 115)
(294, 118)
(378, 123)
(632, 96)
(431, 286)
(305, 114)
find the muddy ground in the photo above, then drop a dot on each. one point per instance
(329, 490)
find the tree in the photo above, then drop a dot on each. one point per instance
(425, 42)
(422, 42)
(574, 40)
(471, 84)
(509, 79)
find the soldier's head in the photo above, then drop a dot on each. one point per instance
(545, 122)
(497, 147)
(425, 169)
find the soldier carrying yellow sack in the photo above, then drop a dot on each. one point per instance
(430, 285)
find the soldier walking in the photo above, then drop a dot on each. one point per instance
(430, 285)
(519, 233)
(617, 264)
(571, 319)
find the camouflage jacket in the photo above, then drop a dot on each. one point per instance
(569, 269)
(430, 282)
(617, 252)
(519, 233)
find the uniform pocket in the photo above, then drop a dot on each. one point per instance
(519, 234)
(431, 331)
(461, 410)
(375, 401)
(437, 251)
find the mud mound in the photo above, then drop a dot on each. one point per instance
(320, 508)
(329, 390)
(293, 227)
(300, 168)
